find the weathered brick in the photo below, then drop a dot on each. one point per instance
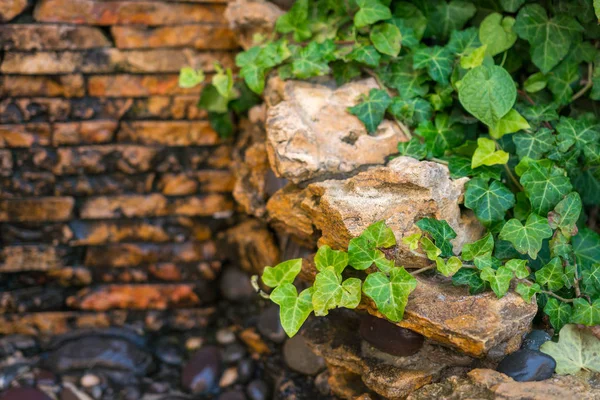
(95, 185)
(73, 133)
(25, 135)
(26, 183)
(131, 206)
(164, 107)
(198, 36)
(35, 233)
(29, 258)
(157, 230)
(32, 299)
(51, 37)
(9, 9)
(141, 297)
(6, 163)
(124, 85)
(111, 61)
(38, 209)
(17, 110)
(196, 181)
(130, 159)
(125, 12)
(169, 133)
(42, 86)
(129, 254)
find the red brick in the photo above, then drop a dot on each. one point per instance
(137, 86)
(29, 258)
(51, 37)
(197, 36)
(42, 86)
(38, 209)
(9, 9)
(73, 133)
(25, 135)
(169, 133)
(196, 181)
(125, 12)
(130, 159)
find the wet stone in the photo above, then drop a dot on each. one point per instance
(299, 357)
(24, 394)
(269, 324)
(45, 378)
(233, 395)
(169, 351)
(10, 373)
(527, 365)
(245, 370)
(235, 285)
(258, 390)
(201, 373)
(225, 336)
(13, 343)
(233, 353)
(389, 337)
(534, 339)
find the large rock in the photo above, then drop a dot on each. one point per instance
(310, 133)
(248, 18)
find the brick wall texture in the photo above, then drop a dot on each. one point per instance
(112, 183)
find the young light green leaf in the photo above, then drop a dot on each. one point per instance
(489, 202)
(372, 109)
(386, 38)
(362, 254)
(469, 277)
(430, 249)
(329, 292)
(544, 185)
(190, 77)
(283, 273)
(486, 154)
(566, 214)
(326, 258)
(499, 279)
(412, 241)
(585, 313)
(379, 234)
(534, 145)
(551, 275)
(478, 248)
(518, 267)
(223, 82)
(527, 291)
(558, 312)
(497, 33)
(390, 294)
(294, 309)
(527, 239)
(488, 93)
(441, 233)
(370, 12)
(510, 123)
(535, 83)
(437, 60)
(474, 58)
(450, 267)
(576, 350)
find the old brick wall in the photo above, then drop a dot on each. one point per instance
(112, 183)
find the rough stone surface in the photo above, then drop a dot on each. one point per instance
(197, 36)
(201, 373)
(310, 134)
(51, 37)
(11, 8)
(250, 17)
(388, 337)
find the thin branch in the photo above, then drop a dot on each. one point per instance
(428, 268)
(512, 177)
(588, 84)
(439, 161)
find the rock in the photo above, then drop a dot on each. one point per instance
(10, 372)
(233, 353)
(245, 370)
(13, 343)
(534, 339)
(24, 394)
(70, 392)
(233, 395)
(322, 384)
(169, 351)
(288, 217)
(201, 373)
(253, 244)
(89, 380)
(225, 336)
(194, 343)
(258, 390)
(230, 375)
(254, 342)
(44, 378)
(390, 338)
(235, 285)
(251, 17)
(11, 8)
(300, 358)
(310, 134)
(269, 324)
(527, 365)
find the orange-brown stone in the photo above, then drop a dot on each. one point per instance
(31, 86)
(197, 36)
(25, 135)
(170, 133)
(198, 181)
(29, 258)
(9, 9)
(73, 133)
(50, 37)
(36, 209)
(128, 159)
(124, 85)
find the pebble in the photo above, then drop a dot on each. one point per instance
(235, 285)
(194, 343)
(390, 338)
(322, 383)
(245, 370)
(527, 365)
(201, 373)
(225, 336)
(89, 380)
(535, 339)
(70, 392)
(233, 395)
(24, 394)
(229, 376)
(13, 343)
(233, 353)
(45, 378)
(168, 350)
(299, 357)
(258, 390)
(269, 324)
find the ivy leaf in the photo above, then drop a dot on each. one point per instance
(527, 239)
(328, 258)
(474, 58)
(586, 246)
(411, 111)
(390, 294)
(365, 54)
(544, 185)
(250, 69)
(411, 16)
(344, 72)
(412, 241)
(380, 235)
(488, 93)
(551, 275)
(486, 154)
(450, 267)
(402, 77)
(329, 292)
(443, 18)
(212, 101)
(489, 202)
(461, 166)
(413, 148)
(558, 312)
(478, 248)
(534, 145)
(370, 12)
(527, 291)
(585, 313)
(578, 133)
(190, 77)
(497, 33)
(591, 277)
(576, 350)
(441, 135)
(437, 60)
(499, 279)
(535, 83)
(430, 249)
(461, 41)
(312, 60)
(295, 20)
(518, 267)
(469, 277)
(560, 246)
(561, 79)
(565, 214)
(510, 123)
(386, 38)
(283, 273)
(540, 113)
(550, 39)
(408, 34)
(221, 123)
(362, 254)
(372, 109)
(441, 233)
(511, 6)
(294, 309)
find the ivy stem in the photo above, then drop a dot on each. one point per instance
(504, 58)
(424, 269)
(439, 161)
(512, 177)
(262, 293)
(402, 127)
(551, 294)
(588, 84)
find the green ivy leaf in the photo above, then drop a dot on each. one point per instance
(527, 238)
(558, 312)
(534, 145)
(560, 246)
(535, 83)
(527, 291)
(411, 16)
(328, 258)
(586, 246)
(295, 21)
(470, 278)
(499, 279)
(551, 275)
(390, 294)
(443, 17)
(489, 202)
(294, 309)
(561, 79)
(372, 109)
(478, 248)
(461, 166)
(212, 101)
(579, 133)
(441, 135)
(486, 154)
(441, 233)
(510, 123)
(474, 58)
(370, 12)
(576, 350)
(540, 113)
(585, 313)
(386, 38)
(413, 148)
(312, 60)
(430, 249)
(251, 70)
(412, 111)
(190, 77)
(362, 254)
(544, 185)
(462, 41)
(380, 235)
(402, 77)
(591, 277)
(566, 214)
(365, 54)
(518, 267)
(412, 241)
(437, 60)
(283, 273)
(329, 292)
(496, 32)
(221, 123)
(511, 6)
(488, 93)
(450, 267)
